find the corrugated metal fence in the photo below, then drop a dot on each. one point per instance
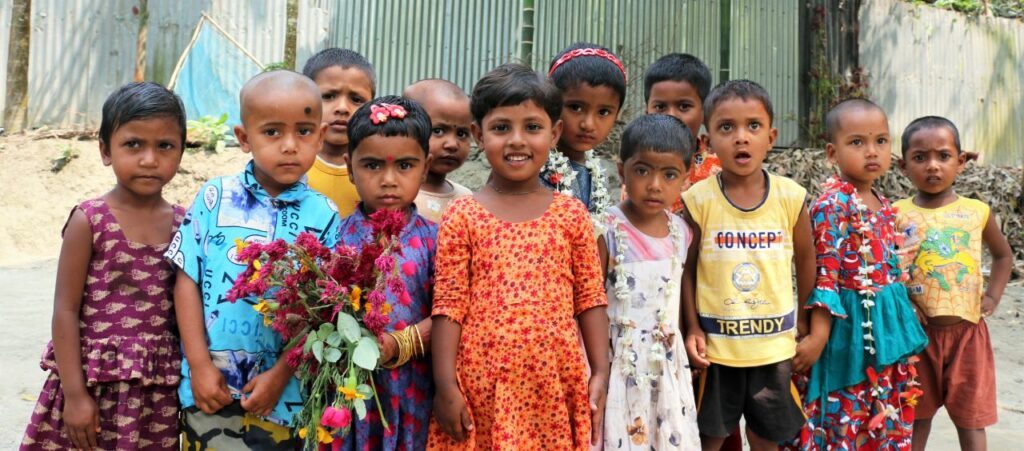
(925, 61)
(5, 31)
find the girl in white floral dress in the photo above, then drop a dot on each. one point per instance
(650, 397)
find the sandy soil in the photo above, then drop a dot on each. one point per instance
(35, 203)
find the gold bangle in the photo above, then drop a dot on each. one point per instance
(419, 338)
(403, 350)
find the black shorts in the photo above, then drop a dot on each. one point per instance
(764, 395)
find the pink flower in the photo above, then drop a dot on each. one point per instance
(336, 418)
(385, 263)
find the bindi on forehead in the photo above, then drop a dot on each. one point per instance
(308, 110)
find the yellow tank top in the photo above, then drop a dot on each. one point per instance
(942, 255)
(745, 299)
(332, 181)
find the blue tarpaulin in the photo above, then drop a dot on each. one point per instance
(212, 72)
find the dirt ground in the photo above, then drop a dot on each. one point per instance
(35, 203)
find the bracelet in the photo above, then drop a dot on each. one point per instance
(419, 338)
(406, 348)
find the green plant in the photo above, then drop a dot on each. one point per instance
(208, 132)
(68, 152)
(827, 85)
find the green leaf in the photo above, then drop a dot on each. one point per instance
(360, 409)
(325, 330)
(318, 350)
(365, 390)
(308, 346)
(366, 353)
(348, 326)
(334, 339)
(223, 119)
(332, 355)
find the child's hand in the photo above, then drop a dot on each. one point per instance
(807, 352)
(81, 420)
(209, 390)
(598, 395)
(261, 394)
(988, 306)
(695, 349)
(388, 348)
(451, 412)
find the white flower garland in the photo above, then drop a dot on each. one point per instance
(563, 176)
(663, 333)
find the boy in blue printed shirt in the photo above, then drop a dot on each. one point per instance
(235, 392)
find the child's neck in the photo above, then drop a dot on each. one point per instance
(333, 154)
(655, 225)
(125, 198)
(575, 156)
(437, 183)
(935, 200)
(744, 191)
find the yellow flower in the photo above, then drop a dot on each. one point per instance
(240, 245)
(385, 309)
(255, 274)
(350, 393)
(303, 432)
(354, 297)
(323, 435)
(262, 307)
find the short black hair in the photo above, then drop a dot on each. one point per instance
(833, 120)
(343, 58)
(657, 133)
(143, 100)
(679, 67)
(928, 122)
(415, 124)
(591, 69)
(512, 84)
(737, 89)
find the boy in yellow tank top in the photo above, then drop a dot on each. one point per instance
(741, 319)
(942, 255)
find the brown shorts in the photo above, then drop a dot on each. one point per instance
(957, 371)
(763, 395)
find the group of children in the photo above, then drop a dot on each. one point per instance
(554, 317)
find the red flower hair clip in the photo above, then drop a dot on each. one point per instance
(381, 112)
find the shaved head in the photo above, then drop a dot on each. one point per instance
(267, 84)
(833, 120)
(424, 90)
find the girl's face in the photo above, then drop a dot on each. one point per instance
(861, 148)
(343, 91)
(144, 154)
(589, 113)
(387, 171)
(653, 181)
(516, 140)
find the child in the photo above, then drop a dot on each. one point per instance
(448, 107)
(593, 85)
(860, 393)
(957, 369)
(749, 227)
(517, 269)
(114, 360)
(676, 85)
(346, 81)
(235, 392)
(650, 397)
(388, 158)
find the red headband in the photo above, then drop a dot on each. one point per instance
(588, 52)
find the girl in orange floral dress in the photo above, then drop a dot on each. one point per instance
(517, 272)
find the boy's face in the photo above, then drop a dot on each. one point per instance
(449, 132)
(589, 113)
(343, 91)
(740, 133)
(387, 171)
(932, 160)
(282, 131)
(516, 140)
(861, 147)
(653, 180)
(678, 99)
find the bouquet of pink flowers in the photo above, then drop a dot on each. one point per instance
(329, 306)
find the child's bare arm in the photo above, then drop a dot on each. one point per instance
(80, 414)
(594, 328)
(449, 406)
(602, 252)
(694, 335)
(209, 389)
(1002, 263)
(806, 267)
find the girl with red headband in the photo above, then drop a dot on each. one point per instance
(593, 85)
